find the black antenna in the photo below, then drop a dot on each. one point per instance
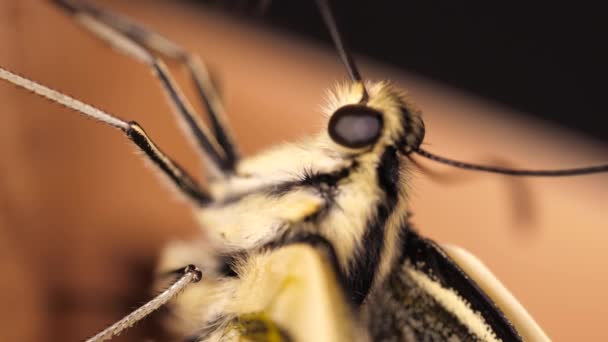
(343, 51)
(354, 74)
(513, 172)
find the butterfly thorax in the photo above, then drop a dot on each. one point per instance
(354, 200)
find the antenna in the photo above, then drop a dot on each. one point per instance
(513, 172)
(343, 51)
(354, 74)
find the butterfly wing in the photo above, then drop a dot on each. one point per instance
(429, 297)
(525, 325)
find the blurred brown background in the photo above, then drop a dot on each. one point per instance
(82, 219)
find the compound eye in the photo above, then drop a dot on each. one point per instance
(355, 126)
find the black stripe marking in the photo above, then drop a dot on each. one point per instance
(322, 182)
(430, 259)
(366, 259)
(413, 132)
(229, 263)
(314, 179)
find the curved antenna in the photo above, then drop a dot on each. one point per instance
(513, 172)
(343, 51)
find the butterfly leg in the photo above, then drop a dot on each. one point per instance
(190, 274)
(218, 149)
(178, 176)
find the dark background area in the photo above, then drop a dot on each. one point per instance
(544, 59)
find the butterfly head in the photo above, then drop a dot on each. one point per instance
(364, 119)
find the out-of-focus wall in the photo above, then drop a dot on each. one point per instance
(82, 219)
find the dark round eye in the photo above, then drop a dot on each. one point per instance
(355, 126)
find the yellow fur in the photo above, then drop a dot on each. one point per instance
(270, 287)
(258, 217)
(297, 289)
(294, 286)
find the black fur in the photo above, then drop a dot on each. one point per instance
(317, 180)
(325, 183)
(429, 258)
(228, 263)
(365, 262)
